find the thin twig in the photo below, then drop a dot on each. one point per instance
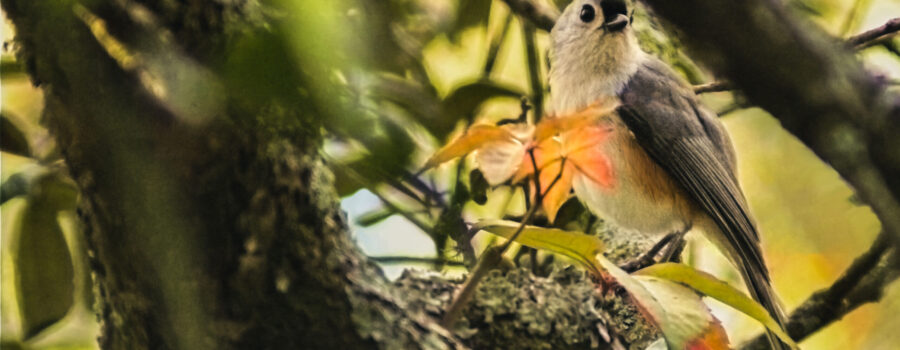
(402, 188)
(892, 26)
(408, 216)
(537, 200)
(414, 260)
(393, 207)
(429, 192)
(489, 259)
(716, 86)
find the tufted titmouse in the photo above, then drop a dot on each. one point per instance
(672, 160)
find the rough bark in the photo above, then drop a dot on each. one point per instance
(226, 233)
(211, 236)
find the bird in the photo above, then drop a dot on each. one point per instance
(671, 158)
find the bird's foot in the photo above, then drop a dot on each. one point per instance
(673, 250)
(649, 257)
(671, 247)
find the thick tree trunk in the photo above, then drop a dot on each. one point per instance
(224, 233)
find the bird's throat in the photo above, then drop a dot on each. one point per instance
(579, 77)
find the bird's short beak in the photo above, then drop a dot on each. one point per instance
(617, 23)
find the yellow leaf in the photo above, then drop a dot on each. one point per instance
(575, 245)
(714, 288)
(475, 137)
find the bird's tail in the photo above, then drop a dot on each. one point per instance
(760, 287)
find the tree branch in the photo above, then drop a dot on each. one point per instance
(860, 40)
(414, 260)
(716, 86)
(863, 282)
(808, 80)
(534, 70)
(541, 15)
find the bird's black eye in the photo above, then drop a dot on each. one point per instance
(587, 13)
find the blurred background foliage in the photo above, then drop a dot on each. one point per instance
(419, 73)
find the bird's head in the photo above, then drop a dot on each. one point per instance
(594, 51)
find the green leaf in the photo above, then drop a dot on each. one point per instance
(11, 345)
(43, 268)
(11, 68)
(43, 265)
(478, 186)
(575, 245)
(420, 101)
(463, 102)
(470, 13)
(260, 68)
(714, 288)
(14, 186)
(373, 217)
(50, 183)
(12, 139)
(450, 223)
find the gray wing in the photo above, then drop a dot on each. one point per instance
(689, 143)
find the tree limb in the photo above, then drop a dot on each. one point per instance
(414, 260)
(863, 282)
(541, 15)
(716, 86)
(808, 80)
(859, 41)
(891, 27)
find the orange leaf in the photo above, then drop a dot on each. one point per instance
(545, 153)
(715, 338)
(553, 125)
(475, 137)
(525, 168)
(556, 195)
